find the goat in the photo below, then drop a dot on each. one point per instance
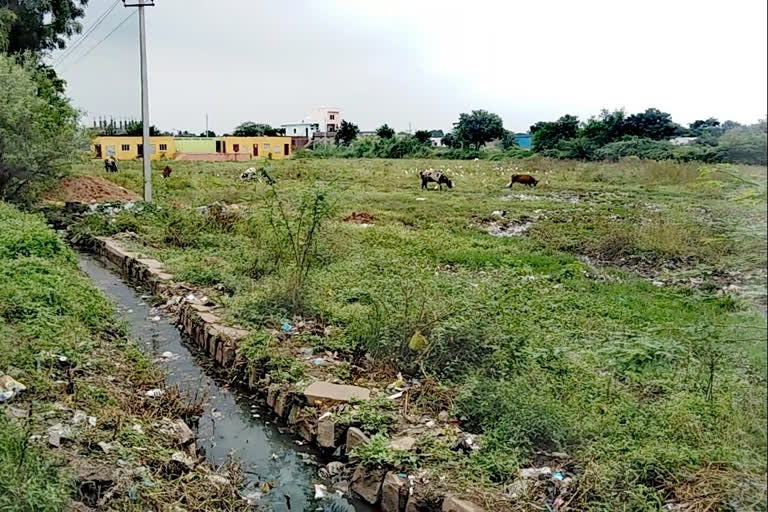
(523, 179)
(167, 171)
(437, 177)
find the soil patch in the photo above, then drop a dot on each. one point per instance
(360, 218)
(89, 189)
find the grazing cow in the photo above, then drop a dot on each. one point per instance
(249, 174)
(523, 179)
(110, 164)
(437, 177)
(167, 171)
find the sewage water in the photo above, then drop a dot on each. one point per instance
(232, 424)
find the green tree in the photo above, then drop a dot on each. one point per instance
(251, 129)
(347, 133)
(652, 124)
(606, 128)
(40, 25)
(422, 136)
(547, 135)
(449, 140)
(478, 128)
(385, 132)
(39, 136)
(508, 140)
(136, 129)
(209, 133)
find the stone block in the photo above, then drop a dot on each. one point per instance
(325, 392)
(454, 504)
(326, 433)
(394, 493)
(367, 484)
(306, 431)
(282, 402)
(293, 415)
(272, 396)
(355, 437)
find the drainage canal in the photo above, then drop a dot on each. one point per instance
(232, 423)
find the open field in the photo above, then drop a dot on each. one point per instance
(616, 312)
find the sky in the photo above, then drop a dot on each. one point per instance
(420, 63)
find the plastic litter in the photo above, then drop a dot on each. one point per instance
(321, 491)
(286, 327)
(155, 318)
(154, 392)
(395, 396)
(319, 361)
(558, 476)
(9, 387)
(92, 421)
(132, 493)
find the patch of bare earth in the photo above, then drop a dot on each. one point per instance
(89, 189)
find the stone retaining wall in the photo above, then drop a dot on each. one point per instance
(203, 326)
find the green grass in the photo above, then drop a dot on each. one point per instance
(643, 384)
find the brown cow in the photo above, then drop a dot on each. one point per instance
(167, 171)
(523, 179)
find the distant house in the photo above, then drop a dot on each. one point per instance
(366, 133)
(682, 141)
(523, 140)
(304, 128)
(124, 147)
(328, 118)
(436, 142)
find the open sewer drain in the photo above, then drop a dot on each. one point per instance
(231, 423)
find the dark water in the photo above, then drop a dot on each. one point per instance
(233, 423)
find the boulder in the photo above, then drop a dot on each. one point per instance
(326, 392)
(454, 504)
(394, 493)
(367, 484)
(355, 436)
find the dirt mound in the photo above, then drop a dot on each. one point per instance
(360, 218)
(89, 189)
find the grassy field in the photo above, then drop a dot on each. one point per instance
(615, 312)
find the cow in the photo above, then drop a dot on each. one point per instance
(110, 164)
(523, 179)
(437, 177)
(167, 171)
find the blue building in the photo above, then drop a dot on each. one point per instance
(523, 140)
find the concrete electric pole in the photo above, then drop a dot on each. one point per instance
(146, 154)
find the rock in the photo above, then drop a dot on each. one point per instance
(342, 486)
(182, 460)
(443, 416)
(454, 504)
(403, 443)
(534, 473)
(105, 447)
(9, 387)
(15, 413)
(466, 443)
(394, 493)
(355, 436)
(219, 480)
(330, 470)
(281, 404)
(306, 431)
(326, 392)
(367, 484)
(559, 455)
(79, 506)
(181, 432)
(326, 433)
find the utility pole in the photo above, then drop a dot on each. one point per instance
(206, 124)
(146, 154)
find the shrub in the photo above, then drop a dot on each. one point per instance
(26, 235)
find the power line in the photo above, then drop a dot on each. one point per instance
(69, 51)
(99, 43)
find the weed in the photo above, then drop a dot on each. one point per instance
(377, 453)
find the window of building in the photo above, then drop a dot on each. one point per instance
(277, 148)
(236, 148)
(266, 147)
(294, 130)
(125, 147)
(332, 116)
(163, 147)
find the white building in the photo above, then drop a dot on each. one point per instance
(328, 118)
(436, 142)
(301, 129)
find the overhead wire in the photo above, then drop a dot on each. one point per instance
(99, 43)
(72, 48)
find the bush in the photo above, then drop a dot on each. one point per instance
(648, 149)
(26, 235)
(38, 129)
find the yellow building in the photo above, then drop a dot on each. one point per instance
(130, 148)
(278, 147)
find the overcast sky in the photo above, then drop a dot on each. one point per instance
(422, 61)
